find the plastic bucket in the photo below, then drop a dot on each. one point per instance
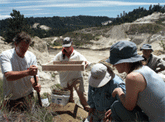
(60, 99)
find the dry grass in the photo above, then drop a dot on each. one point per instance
(37, 113)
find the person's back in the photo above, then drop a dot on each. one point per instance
(152, 99)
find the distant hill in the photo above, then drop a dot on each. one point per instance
(59, 25)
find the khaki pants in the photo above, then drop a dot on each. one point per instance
(79, 87)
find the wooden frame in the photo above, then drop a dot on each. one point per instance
(65, 66)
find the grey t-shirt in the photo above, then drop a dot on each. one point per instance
(10, 61)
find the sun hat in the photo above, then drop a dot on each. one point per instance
(99, 75)
(124, 52)
(67, 42)
(146, 47)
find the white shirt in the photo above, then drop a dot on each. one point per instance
(69, 76)
(10, 61)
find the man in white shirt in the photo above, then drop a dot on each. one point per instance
(72, 79)
(19, 66)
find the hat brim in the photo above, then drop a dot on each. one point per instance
(99, 82)
(67, 45)
(115, 60)
(145, 49)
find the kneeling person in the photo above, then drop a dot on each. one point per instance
(102, 82)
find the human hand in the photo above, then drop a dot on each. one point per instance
(86, 64)
(32, 70)
(107, 117)
(116, 91)
(37, 87)
(35, 84)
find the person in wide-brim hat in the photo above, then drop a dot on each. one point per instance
(102, 82)
(144, 87)
(125, 53)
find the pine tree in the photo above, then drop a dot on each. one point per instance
(16, 24)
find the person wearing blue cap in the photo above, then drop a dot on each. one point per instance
(144, 87)
(153, 61)
(102, 82)
(72, 79)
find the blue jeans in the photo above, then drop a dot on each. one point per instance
(120, 113)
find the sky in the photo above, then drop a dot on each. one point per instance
(68, 8)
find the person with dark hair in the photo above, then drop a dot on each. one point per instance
(19, 66)
(72, 79)
(152, 61)
(144, 88)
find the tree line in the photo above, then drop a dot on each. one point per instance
(61, 25)
(58, 25)
(137, 13)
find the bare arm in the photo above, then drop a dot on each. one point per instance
(15, 75)
(135, 83)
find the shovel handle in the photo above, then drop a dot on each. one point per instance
(38, 94)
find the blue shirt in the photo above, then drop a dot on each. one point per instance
(101, 98)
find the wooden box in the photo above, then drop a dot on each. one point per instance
(65, 66)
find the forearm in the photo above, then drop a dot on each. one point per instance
(125, 100)
(121, 95)
(15, 75)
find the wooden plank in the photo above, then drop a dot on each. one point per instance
(65, 66)
(68, 62)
